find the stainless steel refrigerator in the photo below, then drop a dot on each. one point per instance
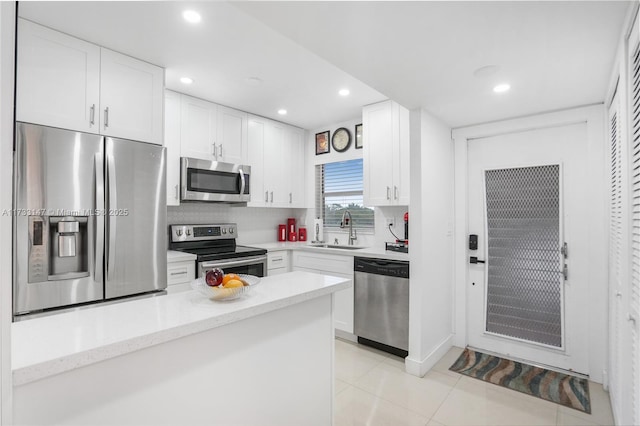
(89, 218)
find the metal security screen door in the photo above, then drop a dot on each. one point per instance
(524, 284)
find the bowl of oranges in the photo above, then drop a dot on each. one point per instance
(216, 285)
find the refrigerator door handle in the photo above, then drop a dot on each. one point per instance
(111, 208)
(99, 219)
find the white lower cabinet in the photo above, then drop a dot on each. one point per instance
(180, 275)
(277, 262)
(330, 264)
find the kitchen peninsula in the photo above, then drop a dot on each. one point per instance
(267, 358)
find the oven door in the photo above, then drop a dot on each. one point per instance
(255, 265)
(203, 180)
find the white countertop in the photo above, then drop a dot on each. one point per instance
(45, 346)
(378, 252)
(179, 256)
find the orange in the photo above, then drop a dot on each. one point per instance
(229, 277)
(233, 284)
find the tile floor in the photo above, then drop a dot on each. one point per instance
(372, 389)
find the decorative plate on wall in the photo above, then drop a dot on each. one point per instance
(341, 139)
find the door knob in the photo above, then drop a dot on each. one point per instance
(473, 259)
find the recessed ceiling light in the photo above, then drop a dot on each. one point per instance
(191, 16)
(282, 111)
(501, 88)
(186, 80)
(344, 92)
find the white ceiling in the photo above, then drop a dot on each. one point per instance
(422, 54)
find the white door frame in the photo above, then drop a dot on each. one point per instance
(7, 49)
(594, 117)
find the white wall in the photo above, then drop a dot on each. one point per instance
(7, 32)
(431, 236)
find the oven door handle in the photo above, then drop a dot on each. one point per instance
(225, 264)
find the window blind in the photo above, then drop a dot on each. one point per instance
(338, 188)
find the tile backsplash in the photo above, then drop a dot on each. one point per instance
(255, 225)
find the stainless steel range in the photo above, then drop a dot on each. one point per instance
(215, 247)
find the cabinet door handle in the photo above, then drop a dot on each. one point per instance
(266, 196)
(92, 114)
(106, 117)
(388, 196)
(179, 273)
(272, 196)
(220, 151)
(214, 150)
(177, 192)
(395, 192)
(290, 198)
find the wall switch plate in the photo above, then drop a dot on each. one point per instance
(391, 221)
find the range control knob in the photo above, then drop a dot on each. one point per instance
(231, 230)
(188, 231)
(224, 230)
(179, 232)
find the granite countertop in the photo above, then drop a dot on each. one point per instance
(377, 252)
(45, 346)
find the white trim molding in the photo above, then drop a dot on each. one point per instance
(421, 367)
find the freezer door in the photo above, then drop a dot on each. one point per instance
(136, 221)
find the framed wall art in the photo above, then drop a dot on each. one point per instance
(322, 143)
(359, 136)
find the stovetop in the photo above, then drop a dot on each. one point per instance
(206, 254)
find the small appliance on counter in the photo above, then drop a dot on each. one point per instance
(399, 245)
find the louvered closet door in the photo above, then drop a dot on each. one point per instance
(526, 197)
(634, 299)
(617, 323)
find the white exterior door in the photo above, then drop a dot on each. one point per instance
(503, 292)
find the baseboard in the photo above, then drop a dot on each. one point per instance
(346, 336)
(421, 367)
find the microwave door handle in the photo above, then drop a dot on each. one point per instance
(99, 219)
(242, 181)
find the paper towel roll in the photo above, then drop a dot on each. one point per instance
(317, 230)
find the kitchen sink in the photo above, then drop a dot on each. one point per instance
(333, 246)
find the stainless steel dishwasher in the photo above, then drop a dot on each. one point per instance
(381, 312)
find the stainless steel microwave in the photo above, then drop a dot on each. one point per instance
(202, 180)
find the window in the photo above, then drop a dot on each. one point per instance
(339, 188)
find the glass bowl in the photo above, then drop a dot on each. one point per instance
(221, 293)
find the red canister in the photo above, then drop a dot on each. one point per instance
(293, 236)
(291, 227)
(302, 234)
(282, 232)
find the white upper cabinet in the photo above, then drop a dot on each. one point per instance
(68, 83)
(198, 128)
(385, 128)
(58, 79)
(130, 98)
(255, 158)
(276, 157)
(172, 143)
(213, 132)
(231, 135)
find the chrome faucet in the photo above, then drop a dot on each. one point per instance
(347, 220)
